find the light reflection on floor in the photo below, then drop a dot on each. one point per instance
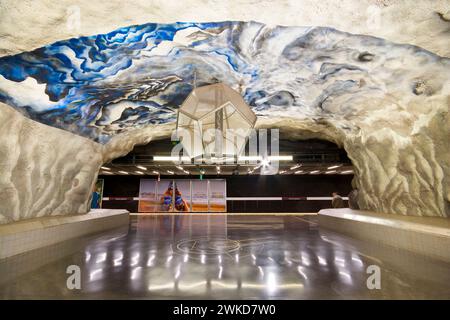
(220, 257)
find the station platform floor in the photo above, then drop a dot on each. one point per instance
(217, 256)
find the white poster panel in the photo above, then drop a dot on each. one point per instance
(217, 195)
(147, 196)
(199, 195)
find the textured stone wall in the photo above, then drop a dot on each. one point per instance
(46, 171)
(399, 169)
(43, 170)
(30, 24)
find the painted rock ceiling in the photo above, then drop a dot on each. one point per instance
(102, 85)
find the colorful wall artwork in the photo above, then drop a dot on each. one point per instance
(182, 195)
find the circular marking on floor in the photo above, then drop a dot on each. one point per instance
(210, 248)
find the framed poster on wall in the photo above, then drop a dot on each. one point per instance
(199, 195)
(217, 196)
(182, 195)
(164, 195)
(182, 199)
(148, 201)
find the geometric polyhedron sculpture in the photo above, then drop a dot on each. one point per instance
(214, 121)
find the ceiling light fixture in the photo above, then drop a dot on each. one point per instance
(330, 172)
(295, 167)
(170, 172)
(170, 158)
(249, 158)
(334, 167)
(315, 171)
(139, 172)
(123, 172)
(155, 172)
(347, 171)
(299, 171)
(105, 168)
(281, 158)
(141, 167)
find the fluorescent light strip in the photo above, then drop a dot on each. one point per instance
(315, 171)
(347, 171)
(295, 167)
(249, 158)
(170, 172)
(280, 158)
(105, 168)
(330, 172)
(299, 171)
(139, 172)
(141, 167)
(334, 167)
(123, 172)
(155, 172)
(170, 158)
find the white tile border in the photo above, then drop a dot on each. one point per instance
(20, 237)
(414, 234)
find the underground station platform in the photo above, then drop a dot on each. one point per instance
(209, 159)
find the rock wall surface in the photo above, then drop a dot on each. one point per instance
(26, 24)
(46, 171)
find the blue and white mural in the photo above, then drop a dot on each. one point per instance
(101, 85)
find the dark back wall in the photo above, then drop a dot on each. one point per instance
(246, 186)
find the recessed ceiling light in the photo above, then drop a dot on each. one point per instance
(295, 167)
(105, 168)
(299, 171)
(347, 171)
(123, 172)
(330, 172)
(315, 171)
(139, 172)
(106, 172)
(141, 167)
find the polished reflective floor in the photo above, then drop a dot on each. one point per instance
(222, 257)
